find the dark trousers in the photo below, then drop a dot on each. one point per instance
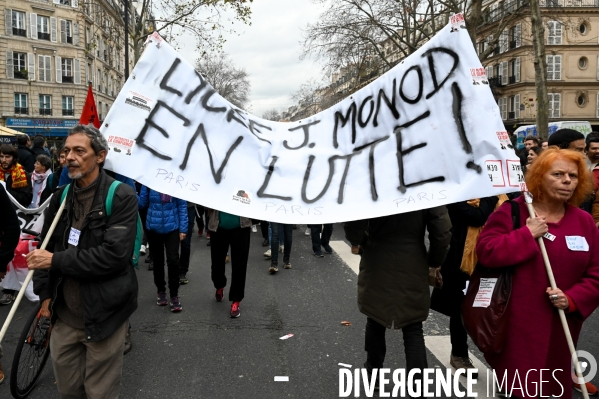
(413, 338)
(186, 243)
(459, 337)
(264, 229)
(320, 235)
(143, 214)
(274, 242)
(199, 215)
(160, 243)
(239, 241)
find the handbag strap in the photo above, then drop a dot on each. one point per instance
(515, 215)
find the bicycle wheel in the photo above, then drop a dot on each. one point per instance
(31, 354)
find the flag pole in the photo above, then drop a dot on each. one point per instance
(562, 315)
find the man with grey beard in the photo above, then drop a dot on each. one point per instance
(84, 277)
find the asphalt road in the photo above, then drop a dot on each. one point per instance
(202, 353)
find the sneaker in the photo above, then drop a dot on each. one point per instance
(128, 344)
(150, 265)
(254, 229)
(318, 254)
(462, 363)
(200, 232)
(328, 249)
(220, 293)
(287, 265)
(591, 389)
(7, 299)
(307, 232)
(227, 259)
(234, 310)
(281, 248)
(1, 375)
(176, 305)
(267, 254)
(273, 269)
(142, 250)
(265, 242)
(183, 279)
(161, 300)
(208, 234)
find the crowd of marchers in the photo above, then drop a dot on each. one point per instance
(86, 280)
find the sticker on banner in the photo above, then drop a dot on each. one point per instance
(120, 144)
(74, 236)
(485, 293)
(495, 172)
(457, 21)
(514, 173)
(242, 196)
(577, 243)
(504, 140)
(139, 101)
(479, 75)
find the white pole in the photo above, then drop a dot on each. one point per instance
(562, 314)
(29, 277)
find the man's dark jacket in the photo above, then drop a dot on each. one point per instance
(40, 151)
(26, 158)
(100, 262)
(9, 232)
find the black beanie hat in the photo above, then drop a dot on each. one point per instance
(563, 137)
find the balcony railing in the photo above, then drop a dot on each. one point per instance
(68, 112)
(21, 74)
(511, 80)
(495, 82)
(21, 110)
(19, 32)
(513, 44)
(43, 36)
(70, 39)
(67, 79)
(511, 115)
(569, 3)
(45, 111)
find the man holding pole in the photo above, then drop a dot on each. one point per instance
(84, 277)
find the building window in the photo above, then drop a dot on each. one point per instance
(502, 102)
(43, 27)
(554, 67)
(516, 36)
(581, 100)
(45, 104)
(66, 31)
(67, 106)
(554, 104)
(514, 107)
(18, 24)
(554, 32)
(20, 65)
(44, 68)
(583, 28)
(21, 104)
(67, 70)
(65, 2)
(583, 62)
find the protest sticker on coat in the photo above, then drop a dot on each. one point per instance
(417, 137)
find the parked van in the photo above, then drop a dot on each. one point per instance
(531, 130)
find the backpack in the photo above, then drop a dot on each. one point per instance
(140, 232)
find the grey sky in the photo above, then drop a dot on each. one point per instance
(269, 51)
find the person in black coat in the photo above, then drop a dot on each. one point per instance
(448, 299)
(38, 145)
(26, 155)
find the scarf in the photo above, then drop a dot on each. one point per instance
(40, 178)
(19, 177)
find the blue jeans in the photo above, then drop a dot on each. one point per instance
(319, 239)
(186, 243)
(277, 229)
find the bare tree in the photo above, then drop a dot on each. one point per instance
(230, 82)
(308, 98)
(272, 115)
(203, 19)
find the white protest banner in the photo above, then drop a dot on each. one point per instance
(424, 134)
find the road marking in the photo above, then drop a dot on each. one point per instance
(439, 346)
(344, 252)
(281, 379)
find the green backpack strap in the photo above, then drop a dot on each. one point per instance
(110, 195)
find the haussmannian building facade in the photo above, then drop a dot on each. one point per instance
(51, 51)
(572, 55)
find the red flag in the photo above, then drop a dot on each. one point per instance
(89, 114)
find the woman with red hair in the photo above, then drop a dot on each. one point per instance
(559, 181)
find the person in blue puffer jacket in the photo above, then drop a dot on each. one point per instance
(166, 225)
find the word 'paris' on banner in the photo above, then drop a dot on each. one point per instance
(426, 133)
